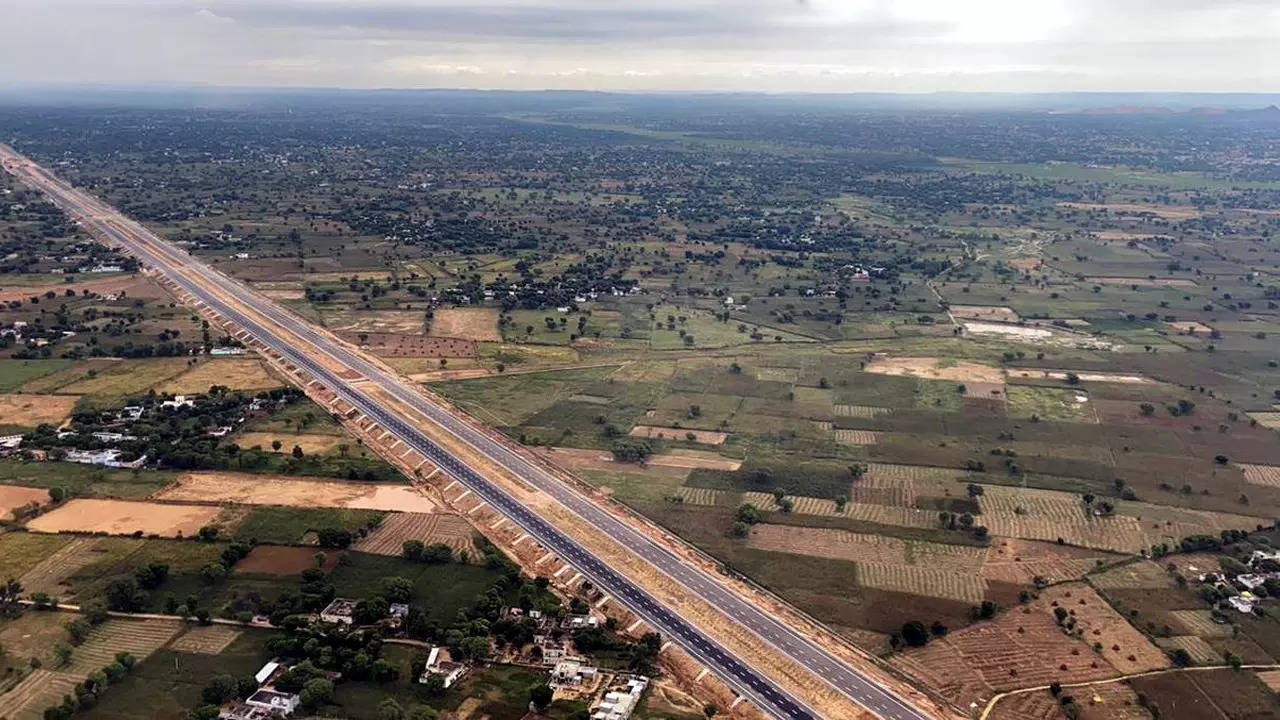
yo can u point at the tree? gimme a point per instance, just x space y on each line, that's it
748 514
412 549
297 452
914 633
315 692
62 654
276 445
389 709
540 696
213 573
710 710
396 589
423 712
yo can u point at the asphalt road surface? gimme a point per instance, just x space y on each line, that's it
250 310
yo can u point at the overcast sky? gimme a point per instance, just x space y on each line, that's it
769 45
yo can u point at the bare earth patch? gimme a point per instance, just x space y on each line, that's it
706 437
1026 646
479 324
998 313
937 369
234 373
669 464
13 497
248 489
1169 212
1142 281
1019 562
124 517
1083 376
32 410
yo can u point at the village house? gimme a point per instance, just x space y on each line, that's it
340 611
448 670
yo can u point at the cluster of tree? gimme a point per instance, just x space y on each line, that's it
631 449
85 694
641 656
433 554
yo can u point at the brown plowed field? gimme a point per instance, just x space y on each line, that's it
1026 647
408 345
247 489
1020 561
124 517
32 410
706 437
205 639
389 537
479 324
13 497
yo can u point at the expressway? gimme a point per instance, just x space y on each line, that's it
301 344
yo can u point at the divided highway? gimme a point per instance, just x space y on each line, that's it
300 344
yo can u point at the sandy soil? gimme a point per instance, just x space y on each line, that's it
706 437
1084 376
371 321
984 312
1024 333
310 444
1025 264
130 285
13 497
123 517
480 324
32 410
1191 327
236 373
577 458
1170 212
936 369
278 490
1143 281
413 345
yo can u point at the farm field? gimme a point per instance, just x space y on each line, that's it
232 373
121 517
290 491
992 393
1028 647
390 535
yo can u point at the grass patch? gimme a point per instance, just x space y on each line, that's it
16 373
286 526
84 480
813 478
168 683
939 394
1050 403
440 590
21 551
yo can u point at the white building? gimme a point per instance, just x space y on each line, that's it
448 670
339 611
106 458
620 702
274 701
